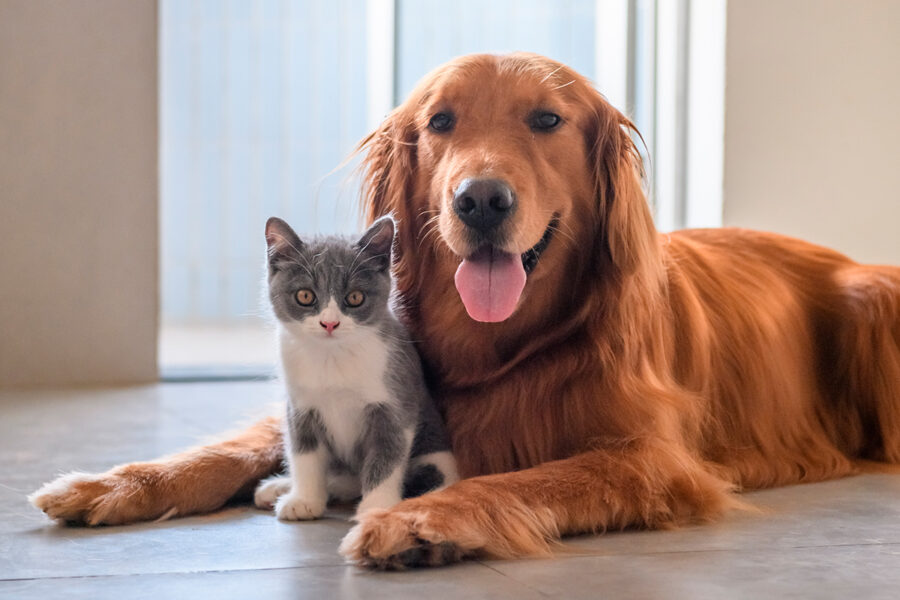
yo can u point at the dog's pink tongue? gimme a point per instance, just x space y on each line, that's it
490 283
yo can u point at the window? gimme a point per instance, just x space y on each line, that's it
263 101
260 102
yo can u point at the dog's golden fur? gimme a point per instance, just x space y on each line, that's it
641 381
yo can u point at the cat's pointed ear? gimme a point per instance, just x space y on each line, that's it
284 244
377 241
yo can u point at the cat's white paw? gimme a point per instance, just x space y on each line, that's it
270 490
294 507
377 499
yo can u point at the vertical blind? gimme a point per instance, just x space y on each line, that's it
262 100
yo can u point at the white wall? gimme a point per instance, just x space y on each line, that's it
812 122
78 192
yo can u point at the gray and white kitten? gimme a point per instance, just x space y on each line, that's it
360 419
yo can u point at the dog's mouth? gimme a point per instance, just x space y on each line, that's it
490 281
531 256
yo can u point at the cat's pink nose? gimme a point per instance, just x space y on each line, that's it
329 325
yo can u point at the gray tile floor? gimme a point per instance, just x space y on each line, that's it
832 540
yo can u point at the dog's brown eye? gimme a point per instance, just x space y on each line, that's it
305 297
545 121
355 298
441 122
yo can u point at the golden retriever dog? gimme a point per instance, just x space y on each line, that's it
593 373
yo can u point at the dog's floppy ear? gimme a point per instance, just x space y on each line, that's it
390 163
389 160
626 231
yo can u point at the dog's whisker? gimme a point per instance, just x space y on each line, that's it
433 233
566 238
431 226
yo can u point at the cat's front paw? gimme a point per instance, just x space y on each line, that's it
295 507
270 490
377 500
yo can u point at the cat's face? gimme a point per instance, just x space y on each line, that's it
327 288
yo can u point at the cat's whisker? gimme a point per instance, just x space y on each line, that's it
358 254
392 338
303 266
298 254
359 265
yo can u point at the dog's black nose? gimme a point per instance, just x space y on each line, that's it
483 204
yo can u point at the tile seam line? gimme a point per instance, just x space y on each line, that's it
577 554
513 579
482 563
157 573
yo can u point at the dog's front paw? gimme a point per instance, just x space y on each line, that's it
72 497
469 518
406 536
296 507
270 490
111 498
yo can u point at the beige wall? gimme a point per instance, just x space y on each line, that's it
78 191
812 122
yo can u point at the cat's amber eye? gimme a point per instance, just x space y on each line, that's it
355 298
306 297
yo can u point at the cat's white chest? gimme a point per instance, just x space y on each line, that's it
338 377
356 364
